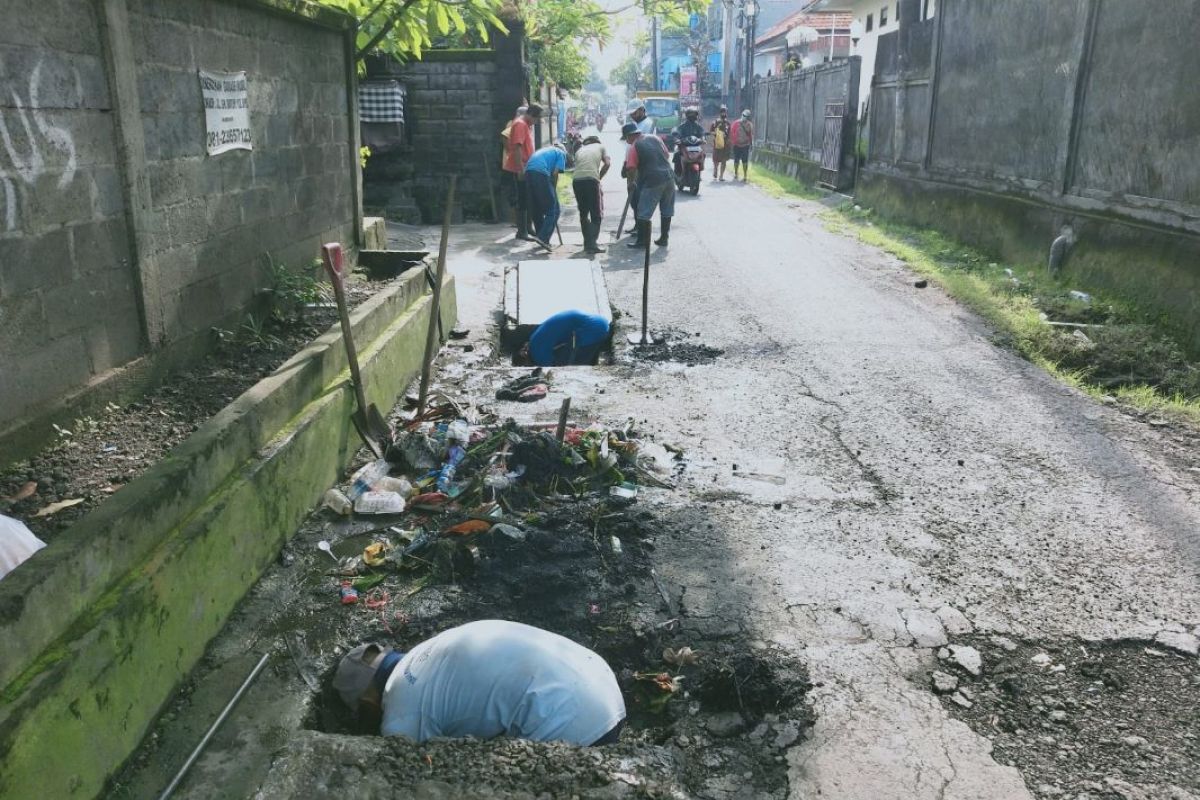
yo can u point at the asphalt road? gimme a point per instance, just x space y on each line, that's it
867 456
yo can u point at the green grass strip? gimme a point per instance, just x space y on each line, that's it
1014 298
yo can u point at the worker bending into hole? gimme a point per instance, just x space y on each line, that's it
568 337
485 679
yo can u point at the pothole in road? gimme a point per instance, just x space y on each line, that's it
736 709
1087 719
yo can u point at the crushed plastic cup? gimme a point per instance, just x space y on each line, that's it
379 503
627 491
615 543
400 486
458 431
337 502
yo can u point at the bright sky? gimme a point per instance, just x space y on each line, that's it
625 26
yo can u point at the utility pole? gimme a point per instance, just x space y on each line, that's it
654 52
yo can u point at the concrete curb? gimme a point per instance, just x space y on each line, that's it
102 624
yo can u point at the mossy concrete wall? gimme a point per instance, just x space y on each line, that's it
1154 267
100 626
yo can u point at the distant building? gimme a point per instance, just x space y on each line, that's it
870 20
805 37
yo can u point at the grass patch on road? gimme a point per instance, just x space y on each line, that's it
779 185
1107 347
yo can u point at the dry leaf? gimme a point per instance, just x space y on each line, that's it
54 508
27 490
684 656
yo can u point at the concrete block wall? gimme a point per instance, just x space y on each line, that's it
1002 122
68 297
213 219
458 102
121 241
790 118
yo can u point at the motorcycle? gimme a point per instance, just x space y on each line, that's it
689 164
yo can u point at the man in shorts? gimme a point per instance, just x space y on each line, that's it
742 136
648 164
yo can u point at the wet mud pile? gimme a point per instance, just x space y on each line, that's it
676 346
1088 720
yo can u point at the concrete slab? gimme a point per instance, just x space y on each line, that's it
537 290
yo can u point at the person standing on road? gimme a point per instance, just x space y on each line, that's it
742 135
722 143
649 163
591 165
518 148
644 123
541 177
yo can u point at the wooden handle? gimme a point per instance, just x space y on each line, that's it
331 256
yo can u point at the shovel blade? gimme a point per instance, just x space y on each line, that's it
365 433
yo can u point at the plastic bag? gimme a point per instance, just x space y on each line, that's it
379 503
17 544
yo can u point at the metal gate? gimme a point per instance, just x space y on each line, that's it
831 144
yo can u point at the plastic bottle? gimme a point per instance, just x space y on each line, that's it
338 503
366 477
446 475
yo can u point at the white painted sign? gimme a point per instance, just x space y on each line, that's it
226 111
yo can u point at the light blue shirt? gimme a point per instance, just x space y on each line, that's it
546 161
646 126
492 678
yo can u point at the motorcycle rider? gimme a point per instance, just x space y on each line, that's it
689 127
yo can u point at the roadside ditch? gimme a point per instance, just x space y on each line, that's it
712 708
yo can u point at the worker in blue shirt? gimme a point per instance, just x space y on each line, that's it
541 180
568 337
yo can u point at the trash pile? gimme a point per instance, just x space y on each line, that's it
446 486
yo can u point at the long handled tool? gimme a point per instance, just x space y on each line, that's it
187 765
646 337
369 423
624 214
435 311
487 171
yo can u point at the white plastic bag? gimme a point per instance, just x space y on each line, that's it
17 544
379 503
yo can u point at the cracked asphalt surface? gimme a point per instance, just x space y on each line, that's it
926 475
872 489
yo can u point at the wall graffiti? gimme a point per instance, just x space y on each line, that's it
29 163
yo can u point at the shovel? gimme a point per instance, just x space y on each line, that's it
369 423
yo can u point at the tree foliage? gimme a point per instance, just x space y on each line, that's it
633 73
560 30
406 28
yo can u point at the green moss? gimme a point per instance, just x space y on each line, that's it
779 185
